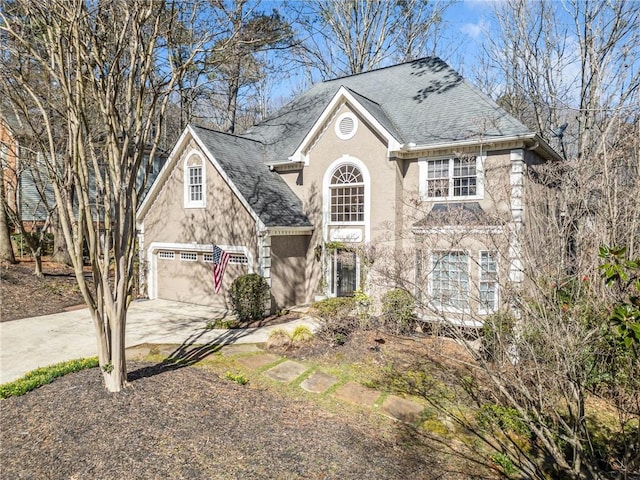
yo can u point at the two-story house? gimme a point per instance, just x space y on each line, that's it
406 169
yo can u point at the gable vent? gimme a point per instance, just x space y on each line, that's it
346 126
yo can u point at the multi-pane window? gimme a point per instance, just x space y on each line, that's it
195 184
166 255
234 258
188 256
450 280
464 177
488 285
451 178
347 195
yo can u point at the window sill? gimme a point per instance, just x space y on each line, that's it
195 205
424 198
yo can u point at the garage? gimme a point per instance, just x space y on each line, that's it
184 273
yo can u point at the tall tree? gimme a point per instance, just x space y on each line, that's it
344 37
109 63
235 64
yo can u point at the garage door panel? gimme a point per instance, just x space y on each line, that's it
192 281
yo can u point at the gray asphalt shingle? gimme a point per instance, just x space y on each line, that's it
267 194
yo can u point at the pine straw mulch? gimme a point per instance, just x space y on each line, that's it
188 423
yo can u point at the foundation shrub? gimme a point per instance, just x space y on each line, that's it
339 319
398 311
249 295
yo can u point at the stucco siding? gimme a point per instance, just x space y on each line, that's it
223 221
289 282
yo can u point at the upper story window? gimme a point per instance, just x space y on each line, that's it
194 182
347 194
451 178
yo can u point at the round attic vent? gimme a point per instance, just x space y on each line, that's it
346 126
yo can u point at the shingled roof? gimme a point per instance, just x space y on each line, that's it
267 194
423 102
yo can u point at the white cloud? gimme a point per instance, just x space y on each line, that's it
474 30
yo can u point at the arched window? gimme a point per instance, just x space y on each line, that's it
194 182
347 194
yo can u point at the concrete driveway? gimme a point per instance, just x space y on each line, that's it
35 342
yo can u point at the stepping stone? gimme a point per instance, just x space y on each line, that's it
318 382
255 362
402 409
286 371
237 349
355 393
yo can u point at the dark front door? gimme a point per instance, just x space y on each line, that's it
345 273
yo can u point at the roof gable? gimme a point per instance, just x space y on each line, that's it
366 108
422 102
239 161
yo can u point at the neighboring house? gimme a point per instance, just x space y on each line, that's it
29 192
372 169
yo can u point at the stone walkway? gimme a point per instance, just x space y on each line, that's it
279 369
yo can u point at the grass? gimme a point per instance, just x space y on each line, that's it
44 375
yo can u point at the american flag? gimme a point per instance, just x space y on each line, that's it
220 260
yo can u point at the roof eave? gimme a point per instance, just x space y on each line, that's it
531 141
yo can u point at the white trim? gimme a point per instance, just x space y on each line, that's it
457 229
152 285
337 125
284 231
186 179
423 172
536 143
173 158
342 96
516 269
326 196
496 306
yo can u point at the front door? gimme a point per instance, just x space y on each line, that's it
345 273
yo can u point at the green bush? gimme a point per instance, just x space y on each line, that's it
334 308
249 295
42 376
398 311
497 336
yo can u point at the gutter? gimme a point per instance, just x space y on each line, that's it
534 141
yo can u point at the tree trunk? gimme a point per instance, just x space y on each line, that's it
60 252
37 257
111 347
6 248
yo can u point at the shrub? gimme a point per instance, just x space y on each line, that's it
338 317
334 308
497 335
41 376
249 295
398 307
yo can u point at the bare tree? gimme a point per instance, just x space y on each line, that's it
344 37
109 64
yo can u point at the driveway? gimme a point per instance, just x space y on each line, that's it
35 342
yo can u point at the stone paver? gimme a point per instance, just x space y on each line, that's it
258 361
238 348
318 382
355 393
402 409
286 371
